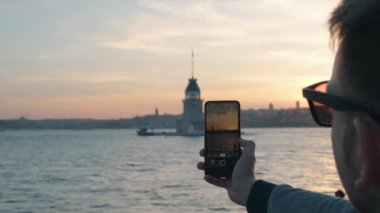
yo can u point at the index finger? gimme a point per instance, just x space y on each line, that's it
224 183
202 152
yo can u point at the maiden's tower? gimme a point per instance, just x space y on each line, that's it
191 122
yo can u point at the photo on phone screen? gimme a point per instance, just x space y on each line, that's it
222 134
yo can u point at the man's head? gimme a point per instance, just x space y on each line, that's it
355 27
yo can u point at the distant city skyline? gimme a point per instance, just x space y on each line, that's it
118 59
156 112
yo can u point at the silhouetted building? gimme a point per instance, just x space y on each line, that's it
271 107
156 112
191 122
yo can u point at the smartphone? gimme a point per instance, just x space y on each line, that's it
222 134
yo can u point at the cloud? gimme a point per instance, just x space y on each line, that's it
165 26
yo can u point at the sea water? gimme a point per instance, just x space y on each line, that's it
117 171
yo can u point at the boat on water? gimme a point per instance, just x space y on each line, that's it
146 132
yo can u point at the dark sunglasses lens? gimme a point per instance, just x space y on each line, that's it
321 88
323 113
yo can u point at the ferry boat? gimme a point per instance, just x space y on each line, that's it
146 132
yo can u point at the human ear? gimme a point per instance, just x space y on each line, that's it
368 138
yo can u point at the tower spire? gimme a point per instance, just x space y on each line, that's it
192 64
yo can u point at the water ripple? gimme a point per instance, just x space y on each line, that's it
116 171
100 206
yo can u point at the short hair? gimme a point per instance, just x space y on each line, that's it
355 27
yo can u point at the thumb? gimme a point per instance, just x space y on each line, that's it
245 164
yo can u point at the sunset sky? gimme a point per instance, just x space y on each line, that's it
118 59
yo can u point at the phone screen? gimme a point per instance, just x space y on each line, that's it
222 134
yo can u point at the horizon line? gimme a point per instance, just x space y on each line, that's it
22 117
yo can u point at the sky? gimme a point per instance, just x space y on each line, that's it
122 58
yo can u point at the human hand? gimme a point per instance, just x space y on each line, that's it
243 177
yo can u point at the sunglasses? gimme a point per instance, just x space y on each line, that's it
322 104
